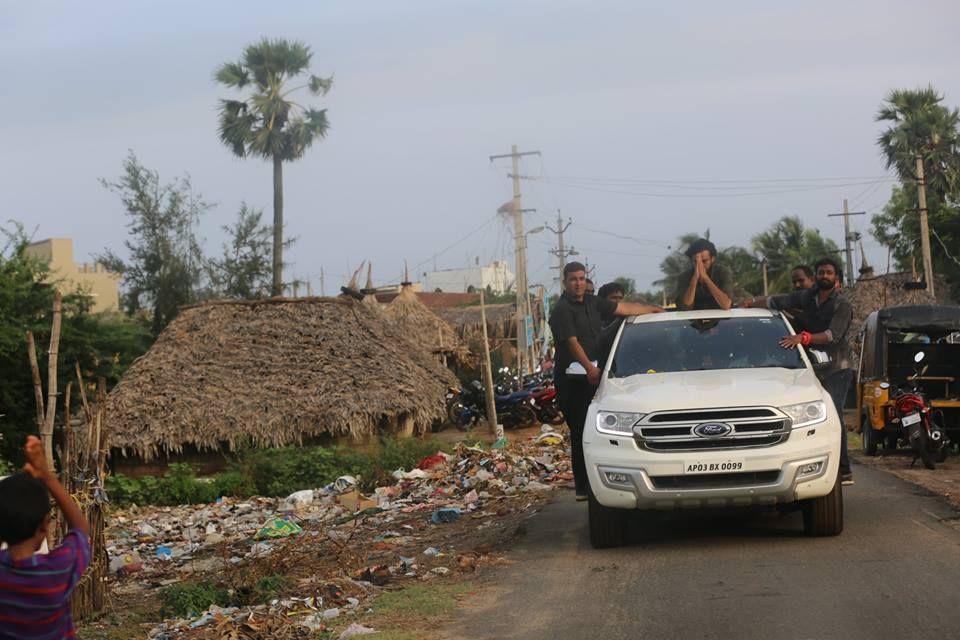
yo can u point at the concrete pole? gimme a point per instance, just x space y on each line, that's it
847 248
766 288
521 263
924 226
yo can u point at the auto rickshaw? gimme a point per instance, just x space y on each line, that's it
891 339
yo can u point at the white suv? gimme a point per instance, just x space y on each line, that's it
705 409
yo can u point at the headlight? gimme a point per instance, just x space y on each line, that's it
806 413
616 422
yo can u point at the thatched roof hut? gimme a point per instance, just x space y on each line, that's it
423 327
273 372
871 294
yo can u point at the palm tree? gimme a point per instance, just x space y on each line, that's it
787 244
920 125
268 123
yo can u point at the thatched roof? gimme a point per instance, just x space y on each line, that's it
872 294
425 328
466 321
272 372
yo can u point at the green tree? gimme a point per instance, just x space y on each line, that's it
786 244
244 268
268 123
165 267
919 124
103 344
629 286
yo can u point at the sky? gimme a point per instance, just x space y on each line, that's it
652 119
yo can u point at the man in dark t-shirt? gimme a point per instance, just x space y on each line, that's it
706 284
576 321
825 315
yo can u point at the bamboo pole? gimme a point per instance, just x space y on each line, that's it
488 373
37 383
46 433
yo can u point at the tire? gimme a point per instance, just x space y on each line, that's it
458 414
524 416
920 441
871 437
551 415
607 526
824 516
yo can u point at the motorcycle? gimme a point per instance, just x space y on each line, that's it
545 400
514 409
919 425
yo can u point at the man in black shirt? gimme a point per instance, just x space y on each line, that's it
575 322
706 284
825 314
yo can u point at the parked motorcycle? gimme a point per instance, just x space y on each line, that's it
921 427
514 410
545 400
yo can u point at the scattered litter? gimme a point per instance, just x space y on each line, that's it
355 630
344 483
278 528
445 515
164 553
298 498
432 461
431 551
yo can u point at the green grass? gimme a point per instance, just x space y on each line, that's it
421 600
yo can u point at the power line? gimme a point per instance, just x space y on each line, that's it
645 181
767 192
451 246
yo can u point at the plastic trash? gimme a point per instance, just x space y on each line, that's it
500 443
330 614
344 483
471 497
300 498
551 438
444 515
164 553
126 563
431 551
432 461
440 571
277 528
355 629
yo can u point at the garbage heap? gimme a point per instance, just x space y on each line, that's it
336 546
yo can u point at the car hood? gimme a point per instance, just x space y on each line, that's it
649 392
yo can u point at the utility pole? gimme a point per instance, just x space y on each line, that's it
848 238
323 289
523 295
561 251
924 226
766 288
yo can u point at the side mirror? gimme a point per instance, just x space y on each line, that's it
918 358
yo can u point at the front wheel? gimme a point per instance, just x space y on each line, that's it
607 526
823 516
524 416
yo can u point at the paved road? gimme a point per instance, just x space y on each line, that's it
893 573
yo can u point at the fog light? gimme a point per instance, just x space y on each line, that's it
810 469
616 477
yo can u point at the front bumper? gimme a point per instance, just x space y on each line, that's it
644 479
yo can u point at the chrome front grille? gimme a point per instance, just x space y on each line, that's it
749 427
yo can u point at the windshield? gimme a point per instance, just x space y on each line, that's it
701 345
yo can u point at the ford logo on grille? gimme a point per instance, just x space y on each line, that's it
713 430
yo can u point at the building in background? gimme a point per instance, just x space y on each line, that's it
496 275
103 286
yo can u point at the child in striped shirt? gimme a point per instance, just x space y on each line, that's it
35 589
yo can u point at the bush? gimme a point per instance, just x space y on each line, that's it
188 599
272 472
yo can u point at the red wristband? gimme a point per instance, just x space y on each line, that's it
805 338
